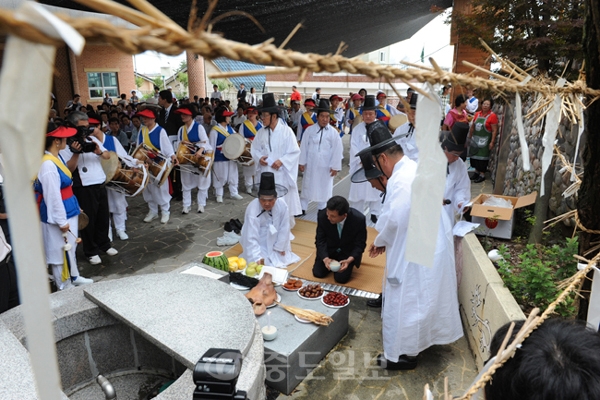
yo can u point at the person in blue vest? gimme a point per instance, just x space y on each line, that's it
248 130
225 171
307 118
155 137
191 177
59 210
117 202
384 110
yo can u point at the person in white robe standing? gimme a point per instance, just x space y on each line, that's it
458 185
420 304
274 149
320 158
193 134
155 138
406 132
266 236
363 195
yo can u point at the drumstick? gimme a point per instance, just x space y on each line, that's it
77 239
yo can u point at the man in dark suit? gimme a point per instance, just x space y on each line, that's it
171 122
341 236
241 94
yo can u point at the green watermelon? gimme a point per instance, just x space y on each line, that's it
216 259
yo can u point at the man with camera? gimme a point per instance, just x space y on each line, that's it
83 156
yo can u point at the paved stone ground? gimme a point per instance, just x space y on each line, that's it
349 371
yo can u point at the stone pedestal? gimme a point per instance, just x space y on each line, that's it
196 77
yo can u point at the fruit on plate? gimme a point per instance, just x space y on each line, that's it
311 291
491 223
335 299
216 259
234 266
293 284
258 268
251 271
262 295
241 263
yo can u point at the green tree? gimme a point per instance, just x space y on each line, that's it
223 84
528 32
139 82
183 78
182 65
158 81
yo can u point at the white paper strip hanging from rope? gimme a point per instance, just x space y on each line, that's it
28 69
552 120
428 187
521 131
580 127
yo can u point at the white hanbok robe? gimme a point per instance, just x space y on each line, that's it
153 194
265 235
408 141
420 304
360 192
458 188
321 151
191 180
279 144
117 201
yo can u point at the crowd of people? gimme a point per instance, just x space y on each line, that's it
420 304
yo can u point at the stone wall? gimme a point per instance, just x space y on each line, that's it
506 165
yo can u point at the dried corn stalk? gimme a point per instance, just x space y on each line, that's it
309 315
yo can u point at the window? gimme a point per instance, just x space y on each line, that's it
100 83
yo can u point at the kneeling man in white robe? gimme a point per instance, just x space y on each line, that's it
266 236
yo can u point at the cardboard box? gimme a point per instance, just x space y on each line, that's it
504 216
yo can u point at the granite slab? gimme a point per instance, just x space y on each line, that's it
299 347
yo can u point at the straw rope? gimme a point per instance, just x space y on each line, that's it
583 228
157 32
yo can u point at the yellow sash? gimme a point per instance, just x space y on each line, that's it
249 125
384 111
58 163
185 136
146 137
221 130
308 118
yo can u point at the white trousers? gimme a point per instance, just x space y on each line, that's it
304 203
57 274
249 172
225 172
117 205
191 181
157 196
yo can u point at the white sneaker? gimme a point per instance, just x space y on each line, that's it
186 210
249 189
110 235
165 217
219 199
200 208
80 280
150 216
237 197
95 260
112 252
122 235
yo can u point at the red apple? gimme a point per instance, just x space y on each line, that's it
491 223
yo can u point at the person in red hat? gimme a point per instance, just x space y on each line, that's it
191 178
353 111
384 110
338 113
155 137
59 210
307 119
248 130
224 170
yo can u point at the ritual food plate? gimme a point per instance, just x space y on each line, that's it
275 304
238 287
310 298
331 306
303 321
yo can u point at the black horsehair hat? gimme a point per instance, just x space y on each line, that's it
323 106
380 138
369 103
413 101
368 171
268 187
269 104
455 140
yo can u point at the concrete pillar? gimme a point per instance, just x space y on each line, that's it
196 78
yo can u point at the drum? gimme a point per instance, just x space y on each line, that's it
159 166
234 146
188 162
357 120
110 166
246 158
82 221
396 121
129 181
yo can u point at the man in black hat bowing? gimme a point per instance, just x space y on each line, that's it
320 158
266 235
274 149
420 304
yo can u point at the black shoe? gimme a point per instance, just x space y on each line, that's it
374 218
479 179
473 176
404 363
228 227
375 303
